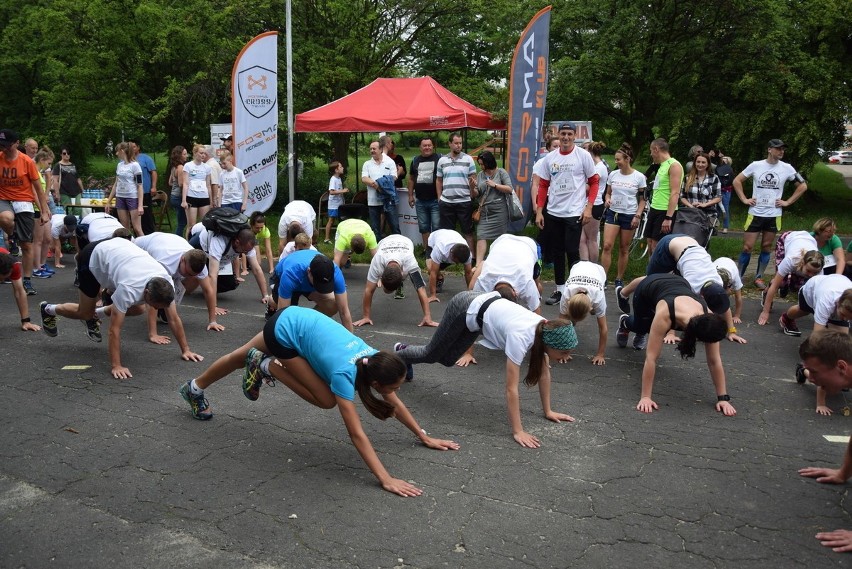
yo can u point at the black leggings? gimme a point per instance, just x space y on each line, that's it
451 339
563 238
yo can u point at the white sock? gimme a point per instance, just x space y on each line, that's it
193 387
561 289
264 365
50 309
101 312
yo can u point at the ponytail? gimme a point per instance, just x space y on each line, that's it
536 357
383 368
565 339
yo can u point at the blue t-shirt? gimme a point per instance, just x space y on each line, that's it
147 165
331 349
292 273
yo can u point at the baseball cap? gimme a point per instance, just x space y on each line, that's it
229 137
716 298
322 273
8 137
777 143
568 125
70 221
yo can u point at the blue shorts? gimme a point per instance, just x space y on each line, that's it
623 220
333 213
128 204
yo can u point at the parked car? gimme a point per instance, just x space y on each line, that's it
842 157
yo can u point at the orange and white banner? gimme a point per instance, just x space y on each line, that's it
254 82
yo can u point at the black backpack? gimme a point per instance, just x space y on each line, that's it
225 221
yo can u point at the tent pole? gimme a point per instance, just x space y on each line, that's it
291 158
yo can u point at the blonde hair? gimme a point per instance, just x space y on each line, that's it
129 151
824 223
814 259
302 241
579 306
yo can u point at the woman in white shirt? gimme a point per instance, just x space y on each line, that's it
625 202
196 186
796 254
127 189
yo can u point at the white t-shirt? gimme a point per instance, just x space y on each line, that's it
122 267
167 249
505 326
822 293
387 167
569 176
297 210
57 226
511 260
600 169
591 278
215 171
796 244
768 185
393 248
232 185
696 266
623 190
128 177
197 175
290 247
335 200
729 265
101 226
216 245
441 241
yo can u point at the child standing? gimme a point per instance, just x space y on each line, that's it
335 195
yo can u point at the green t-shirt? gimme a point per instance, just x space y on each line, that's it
263 233
663 186
831 245
348 229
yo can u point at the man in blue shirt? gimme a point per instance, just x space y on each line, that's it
149 183
316 277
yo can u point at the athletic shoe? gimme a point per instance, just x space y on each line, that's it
554 298
760 284
783 291
399 294
197 403
7 281
623 303
28 286
619 282
439 284
640 341
327 241
93 329
788 326
40 274
48 322
14 250
623 333
253 376
47 269
409 369
800 373
161 316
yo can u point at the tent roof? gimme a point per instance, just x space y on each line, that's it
419 103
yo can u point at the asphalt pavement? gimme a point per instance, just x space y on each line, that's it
97 472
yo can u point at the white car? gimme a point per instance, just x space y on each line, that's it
842 157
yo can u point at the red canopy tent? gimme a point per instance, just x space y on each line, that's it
405 104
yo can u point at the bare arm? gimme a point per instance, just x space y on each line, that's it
797 193
366 304
404 416
717 373
343 309
116 320
603 330
659 327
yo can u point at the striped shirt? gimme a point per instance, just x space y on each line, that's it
455 173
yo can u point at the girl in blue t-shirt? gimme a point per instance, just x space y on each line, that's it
324 364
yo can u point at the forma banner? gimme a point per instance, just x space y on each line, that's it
254 103
527 101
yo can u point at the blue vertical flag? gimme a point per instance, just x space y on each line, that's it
527 102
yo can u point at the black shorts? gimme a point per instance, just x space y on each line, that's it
87 283
198 202
452 212
756 224
803 304
598 211
24 226
654 228
272 344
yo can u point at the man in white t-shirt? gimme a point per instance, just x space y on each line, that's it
188 269
298 217
446 247
62 227
378 166
97 227
764 213
568 186
215 176
513 265
828 298
132 279
393 261
222 251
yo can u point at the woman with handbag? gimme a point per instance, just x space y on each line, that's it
492 216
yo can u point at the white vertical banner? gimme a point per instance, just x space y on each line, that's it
254 82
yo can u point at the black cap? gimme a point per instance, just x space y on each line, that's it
777 143
716 298
568 125
8 137
70 221
322 273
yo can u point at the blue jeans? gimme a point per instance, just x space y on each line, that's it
391 218
661 260
428 217
376 220
175 201
726 202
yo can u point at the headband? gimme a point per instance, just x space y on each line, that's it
560 338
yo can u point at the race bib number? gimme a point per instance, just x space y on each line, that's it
22 207
617 201
562 188
764 198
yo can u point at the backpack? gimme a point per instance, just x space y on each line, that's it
225 221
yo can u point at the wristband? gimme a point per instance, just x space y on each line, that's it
25 320
725 397
732 330
667 218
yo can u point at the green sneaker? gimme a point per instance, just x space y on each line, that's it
253 376
48 322
93 329
197 403
399 294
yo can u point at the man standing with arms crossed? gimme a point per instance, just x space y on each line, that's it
456 187
764 212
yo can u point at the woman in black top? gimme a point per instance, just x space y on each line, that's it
66 180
